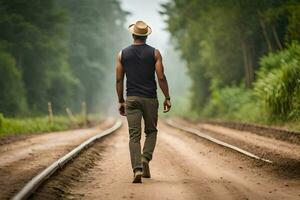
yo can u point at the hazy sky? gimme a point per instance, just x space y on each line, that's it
147 10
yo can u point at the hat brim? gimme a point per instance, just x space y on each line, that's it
131 30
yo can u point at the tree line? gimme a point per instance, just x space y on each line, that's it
56 51
242 56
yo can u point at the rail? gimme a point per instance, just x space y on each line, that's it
34 183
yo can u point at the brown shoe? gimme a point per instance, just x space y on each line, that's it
137 178
146 169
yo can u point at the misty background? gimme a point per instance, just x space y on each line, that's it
63 53
175 67
229 60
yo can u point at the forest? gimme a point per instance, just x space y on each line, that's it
243 57
214 114
58 51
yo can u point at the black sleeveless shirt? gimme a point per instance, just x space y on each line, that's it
139 65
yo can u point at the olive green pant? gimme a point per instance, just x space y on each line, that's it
136 109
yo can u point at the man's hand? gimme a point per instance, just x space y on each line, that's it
122 109
167 105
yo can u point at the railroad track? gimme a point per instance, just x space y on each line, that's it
216 141
38 180
187 178
40 186
291 136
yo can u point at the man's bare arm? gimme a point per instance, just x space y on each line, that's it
119 79
120 84
162 80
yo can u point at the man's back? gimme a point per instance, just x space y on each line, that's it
139 65
139 62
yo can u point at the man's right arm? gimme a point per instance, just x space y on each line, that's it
162 80
119 84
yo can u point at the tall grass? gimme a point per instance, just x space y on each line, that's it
278 84
274 99
15 126
233 103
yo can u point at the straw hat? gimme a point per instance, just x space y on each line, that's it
140 28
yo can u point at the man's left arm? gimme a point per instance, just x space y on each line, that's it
162 80
120 84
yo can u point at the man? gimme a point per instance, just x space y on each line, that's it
139 62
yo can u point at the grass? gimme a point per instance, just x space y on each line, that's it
290 125
18 126
293 125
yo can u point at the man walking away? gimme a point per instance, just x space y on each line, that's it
139 62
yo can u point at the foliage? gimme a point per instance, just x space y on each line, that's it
56 51
95 33
278 84
12 96
223 42
16 126
34 34
233 103
219 41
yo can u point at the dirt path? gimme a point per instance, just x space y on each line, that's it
184 167
285 155
22 160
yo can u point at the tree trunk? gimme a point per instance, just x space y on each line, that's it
250 66
246 64
265 33
276 37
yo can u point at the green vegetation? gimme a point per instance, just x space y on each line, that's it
278 84
15 126
232 103
11 86
57 51
242 56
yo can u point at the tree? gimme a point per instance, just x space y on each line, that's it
12 96
34 31
95 31
62 50
223 41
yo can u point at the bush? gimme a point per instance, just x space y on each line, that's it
278 84
233 103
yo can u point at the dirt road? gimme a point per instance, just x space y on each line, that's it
184 167
22 160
